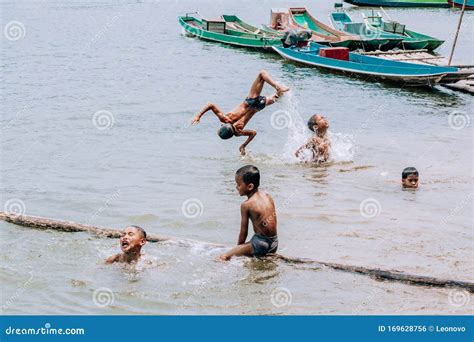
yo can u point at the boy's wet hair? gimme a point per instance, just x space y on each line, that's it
250 175
312 121
140 230
226 131
409 171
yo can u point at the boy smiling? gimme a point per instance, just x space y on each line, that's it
132 240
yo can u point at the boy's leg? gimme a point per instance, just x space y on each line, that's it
257 85
241 250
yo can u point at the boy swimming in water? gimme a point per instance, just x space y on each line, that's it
234 122
410 178
132 240
319 145
260 209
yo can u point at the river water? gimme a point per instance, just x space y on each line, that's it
96 103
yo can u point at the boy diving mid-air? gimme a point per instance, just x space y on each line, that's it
233 123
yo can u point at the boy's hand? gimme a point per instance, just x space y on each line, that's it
223 257
242 150
196 120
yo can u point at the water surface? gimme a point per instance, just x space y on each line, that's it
131 59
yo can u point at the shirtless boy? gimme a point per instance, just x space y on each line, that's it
319 144
234 122
410 178
260 209
132 240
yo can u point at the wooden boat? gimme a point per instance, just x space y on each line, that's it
280 21
413 41
302 18
217 30
235 23
400 3
366 29
462 80
379 68
390 26
340 20
459 3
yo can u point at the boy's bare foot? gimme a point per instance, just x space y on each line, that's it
282 89
242 150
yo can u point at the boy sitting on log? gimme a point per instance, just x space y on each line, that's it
132 240
260 209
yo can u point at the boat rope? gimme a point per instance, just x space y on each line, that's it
457 32
43 223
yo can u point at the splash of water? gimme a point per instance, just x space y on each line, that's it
342 145
298 134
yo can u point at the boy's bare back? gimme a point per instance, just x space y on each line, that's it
261 211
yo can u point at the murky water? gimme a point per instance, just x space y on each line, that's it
131 60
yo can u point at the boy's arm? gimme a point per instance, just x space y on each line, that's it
244 224
306 146
211 106
112 259
250 134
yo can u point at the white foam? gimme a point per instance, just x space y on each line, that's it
342 145
298 133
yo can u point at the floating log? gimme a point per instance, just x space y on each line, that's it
390 275
44 223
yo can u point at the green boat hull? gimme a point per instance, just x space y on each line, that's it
370 39
195 27
400 3
303 19
412 40
240 25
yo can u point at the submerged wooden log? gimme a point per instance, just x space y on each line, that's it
44 223
389 275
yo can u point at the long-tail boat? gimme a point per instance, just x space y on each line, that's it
341 21
412 40
303 18
371 67
217 30
280 21
366 29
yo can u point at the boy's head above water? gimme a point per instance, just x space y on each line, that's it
410 178
318 123
132 239
247 180
226 131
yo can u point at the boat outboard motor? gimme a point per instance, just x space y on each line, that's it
296 37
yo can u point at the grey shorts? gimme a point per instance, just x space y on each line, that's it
262 245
